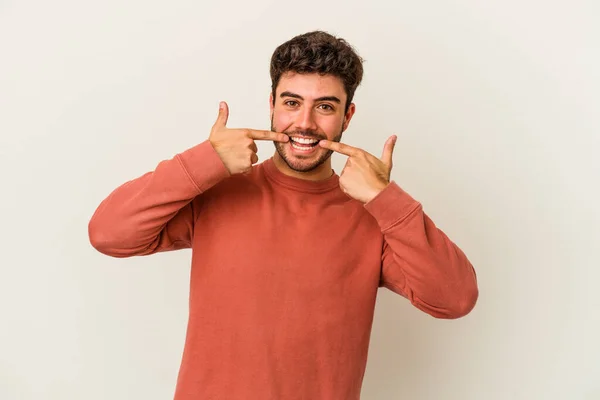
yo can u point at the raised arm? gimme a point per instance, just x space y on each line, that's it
156 211
418 260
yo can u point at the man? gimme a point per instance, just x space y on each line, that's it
287 256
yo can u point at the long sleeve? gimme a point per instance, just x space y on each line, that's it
419 261
155 212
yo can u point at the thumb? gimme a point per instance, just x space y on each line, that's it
388 151
223 115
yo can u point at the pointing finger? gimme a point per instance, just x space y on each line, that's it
339 147
268 135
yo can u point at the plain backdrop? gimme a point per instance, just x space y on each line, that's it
496 107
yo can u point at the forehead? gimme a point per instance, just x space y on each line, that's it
311 86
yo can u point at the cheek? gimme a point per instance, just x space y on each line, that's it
282 121
331 127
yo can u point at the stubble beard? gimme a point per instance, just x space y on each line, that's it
306 164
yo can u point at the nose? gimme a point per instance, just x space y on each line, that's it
306 120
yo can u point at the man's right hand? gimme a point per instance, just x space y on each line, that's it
236 147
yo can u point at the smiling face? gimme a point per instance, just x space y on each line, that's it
308 108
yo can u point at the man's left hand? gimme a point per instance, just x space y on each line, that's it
364 176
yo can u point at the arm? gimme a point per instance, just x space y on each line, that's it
419 261
155 212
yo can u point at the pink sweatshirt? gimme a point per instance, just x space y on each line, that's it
285 272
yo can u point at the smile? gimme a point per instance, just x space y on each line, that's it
303 141
303 144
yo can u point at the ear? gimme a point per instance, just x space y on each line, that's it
271 105
348 116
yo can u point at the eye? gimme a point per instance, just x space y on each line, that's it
327 107
291 103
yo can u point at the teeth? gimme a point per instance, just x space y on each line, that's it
304 140
297 147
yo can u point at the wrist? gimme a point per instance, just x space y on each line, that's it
376 191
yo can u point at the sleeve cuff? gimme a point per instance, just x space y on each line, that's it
391 205
203 165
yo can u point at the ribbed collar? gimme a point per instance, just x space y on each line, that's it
302 185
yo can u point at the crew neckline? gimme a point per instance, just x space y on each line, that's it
302 185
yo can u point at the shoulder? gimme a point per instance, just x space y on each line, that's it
239 184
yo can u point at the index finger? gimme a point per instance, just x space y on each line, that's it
268 135
339 147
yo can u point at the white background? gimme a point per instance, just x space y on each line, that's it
496 106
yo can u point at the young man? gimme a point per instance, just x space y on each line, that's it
287 256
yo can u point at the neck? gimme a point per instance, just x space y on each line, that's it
320 173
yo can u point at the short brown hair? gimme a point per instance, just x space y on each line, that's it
318 52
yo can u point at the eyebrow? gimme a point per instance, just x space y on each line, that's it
324 98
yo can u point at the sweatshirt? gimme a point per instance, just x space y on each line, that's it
284 272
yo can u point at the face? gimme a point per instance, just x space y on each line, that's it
309 108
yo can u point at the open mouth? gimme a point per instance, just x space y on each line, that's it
303 144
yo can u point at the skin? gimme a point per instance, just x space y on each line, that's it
312 106
297 111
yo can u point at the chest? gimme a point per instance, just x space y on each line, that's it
300 241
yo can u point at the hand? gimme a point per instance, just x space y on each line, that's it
364 176
236 147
